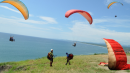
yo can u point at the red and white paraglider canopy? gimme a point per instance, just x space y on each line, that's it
117 59
83 13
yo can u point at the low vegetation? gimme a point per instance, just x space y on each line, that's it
79 64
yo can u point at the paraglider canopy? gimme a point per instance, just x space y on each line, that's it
19 5
109 5
113 3
117 59
83 13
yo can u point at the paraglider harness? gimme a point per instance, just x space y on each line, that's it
74 44
11 39
71 56
49 57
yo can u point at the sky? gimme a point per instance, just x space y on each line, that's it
47 20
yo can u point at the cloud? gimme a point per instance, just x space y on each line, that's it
10 9
95 21
112 22
107 22
28 21
55 28
82 31
127 1
9 22
108 1
49 19
30 15
13 10
10 25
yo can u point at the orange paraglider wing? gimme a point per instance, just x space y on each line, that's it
19 5
83 13
112 4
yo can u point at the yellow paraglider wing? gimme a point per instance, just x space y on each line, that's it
112 4
20 6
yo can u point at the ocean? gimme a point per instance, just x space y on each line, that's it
26 47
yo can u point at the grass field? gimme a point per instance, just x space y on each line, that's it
79 64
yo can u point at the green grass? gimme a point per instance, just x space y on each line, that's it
128 54
100 53
79 64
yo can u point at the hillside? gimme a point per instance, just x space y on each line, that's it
80 64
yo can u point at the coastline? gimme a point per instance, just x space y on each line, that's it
94 44
126 49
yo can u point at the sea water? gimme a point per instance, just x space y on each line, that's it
26 47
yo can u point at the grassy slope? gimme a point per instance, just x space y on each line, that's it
80 64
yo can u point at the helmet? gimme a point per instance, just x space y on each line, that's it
66 53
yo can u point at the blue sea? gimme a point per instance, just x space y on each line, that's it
26 47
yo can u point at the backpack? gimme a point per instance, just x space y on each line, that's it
71 56
48 56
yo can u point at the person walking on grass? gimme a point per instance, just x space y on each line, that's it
50 57
68 58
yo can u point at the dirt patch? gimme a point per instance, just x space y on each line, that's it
121 71
5 68
104 67
128 59
21 68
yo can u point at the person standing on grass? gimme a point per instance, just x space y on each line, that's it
50 55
